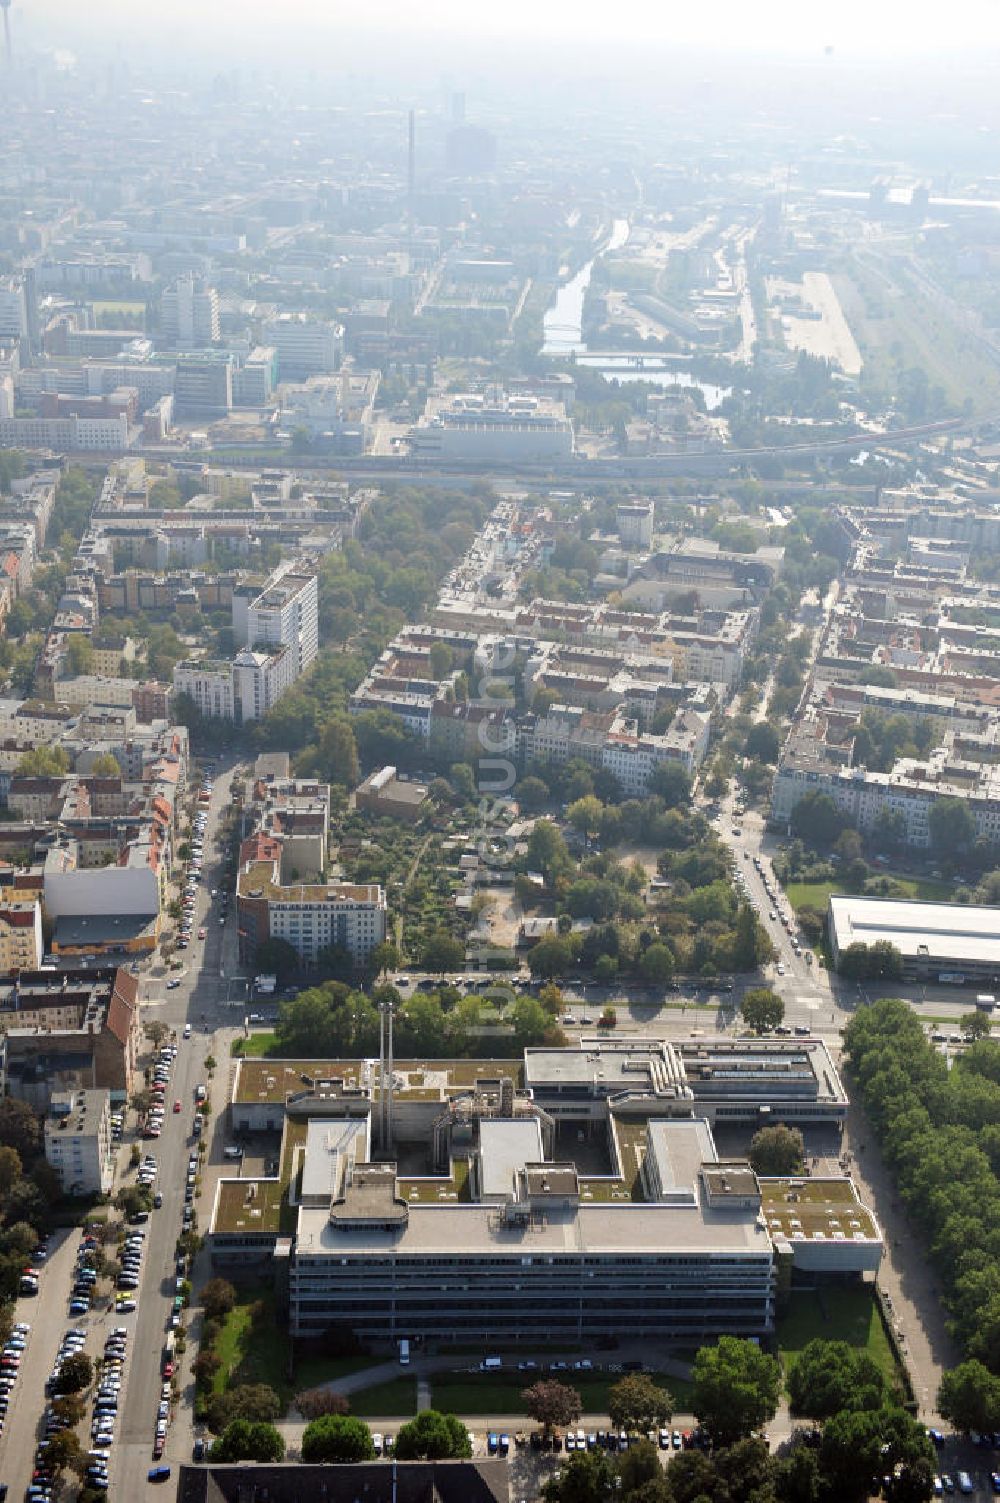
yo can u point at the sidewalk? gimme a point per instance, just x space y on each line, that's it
905 1275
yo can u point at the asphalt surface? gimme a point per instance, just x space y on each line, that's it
48 1315
197 1000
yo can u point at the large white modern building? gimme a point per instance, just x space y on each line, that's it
472 427
189 314
285 613
279 627
950 941
306 346
502 1221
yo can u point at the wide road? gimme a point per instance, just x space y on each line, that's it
196 1000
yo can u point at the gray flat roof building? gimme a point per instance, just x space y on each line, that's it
933 938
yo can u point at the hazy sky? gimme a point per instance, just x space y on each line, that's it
852 27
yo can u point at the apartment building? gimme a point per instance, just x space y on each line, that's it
70 1029
285 613
78 1141
818 757
310 916
280 626
21 943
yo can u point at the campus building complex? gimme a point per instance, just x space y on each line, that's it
580 1187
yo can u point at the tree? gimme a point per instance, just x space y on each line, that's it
585 815
462 780
204 1367
441 951
656 965
256 1403
635 1402
952 828
69 1407
384 957
44 762
551 957
776 1150
589 1478
879 961
762 743
532 794
336 756
65 1453
156 1032
218 1297
817 820
132 1199
829 1376
433 1437
441 660
313 1403
337 1437
751 948
736 1388
547 851
10 1170
976 1025
671 782
639 1465
969 1397
861 1447
79 654
762 1009
75 1374
105 766
552 1404
242 1440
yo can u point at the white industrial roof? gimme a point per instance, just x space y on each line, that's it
941 931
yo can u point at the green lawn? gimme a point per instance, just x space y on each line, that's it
257 1046
310 1372
489 1393
253 1354
260 1354
817 894
849 1315
396 1397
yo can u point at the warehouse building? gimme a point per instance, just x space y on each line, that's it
951 942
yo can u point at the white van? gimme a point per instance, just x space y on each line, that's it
491 1364
404 1353
233 1151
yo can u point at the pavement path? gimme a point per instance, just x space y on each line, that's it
905 1276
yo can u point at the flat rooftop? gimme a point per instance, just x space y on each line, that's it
265 1081
505 1146
603 1067
942 931
103 929
812 1209
258 882
629 1227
